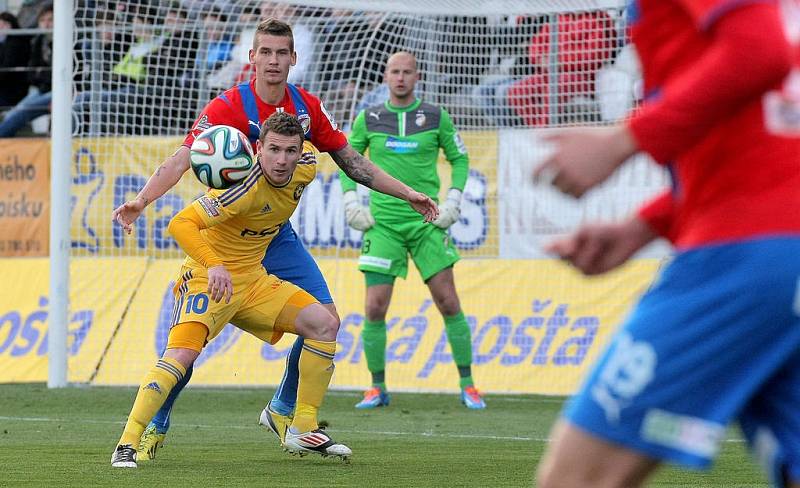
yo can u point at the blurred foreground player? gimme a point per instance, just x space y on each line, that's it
717 338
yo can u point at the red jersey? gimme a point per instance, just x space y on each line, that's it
710 116
228 109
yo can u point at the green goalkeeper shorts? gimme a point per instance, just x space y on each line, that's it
385 249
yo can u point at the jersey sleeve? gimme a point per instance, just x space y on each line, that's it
325 133
358 139
454 150
659 214
185 228
217 112
748 40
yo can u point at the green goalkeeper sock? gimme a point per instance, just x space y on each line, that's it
379 380
465 376
460 339
374 338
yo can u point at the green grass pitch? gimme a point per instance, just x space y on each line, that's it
64 437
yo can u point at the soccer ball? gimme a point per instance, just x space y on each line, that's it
221 156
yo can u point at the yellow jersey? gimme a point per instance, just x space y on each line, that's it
244 219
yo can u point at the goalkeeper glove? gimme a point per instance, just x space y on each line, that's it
358 216
450 210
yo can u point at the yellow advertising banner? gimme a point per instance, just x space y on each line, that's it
24 197
106 173
100 291
537 325
109 171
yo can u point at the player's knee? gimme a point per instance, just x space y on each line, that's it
184 356
448 305
376 309
375 314
324 327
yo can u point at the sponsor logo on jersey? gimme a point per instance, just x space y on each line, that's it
400 146
420 119
260 233
210 205
377 115
694 435
298 192
266 209
375 261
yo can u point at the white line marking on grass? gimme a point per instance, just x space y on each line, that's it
359 432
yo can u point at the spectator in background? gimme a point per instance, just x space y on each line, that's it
96 55
14 54
37 102
353 55
463 64
586 41
228 74
195 8
126 89
172 77
219 42
28 13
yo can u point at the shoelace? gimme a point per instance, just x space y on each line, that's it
126 454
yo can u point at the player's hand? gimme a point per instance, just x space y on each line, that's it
424 205
450 210
597 248
127 213
219 284
358 216
585 157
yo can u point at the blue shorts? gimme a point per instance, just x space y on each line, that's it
716 339
288 259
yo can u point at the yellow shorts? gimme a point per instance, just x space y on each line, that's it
255 307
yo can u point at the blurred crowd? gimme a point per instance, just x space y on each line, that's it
146 67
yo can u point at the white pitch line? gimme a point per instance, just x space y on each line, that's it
359 432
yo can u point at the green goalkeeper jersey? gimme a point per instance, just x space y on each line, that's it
405 142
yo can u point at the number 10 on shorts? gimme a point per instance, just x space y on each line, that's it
196 303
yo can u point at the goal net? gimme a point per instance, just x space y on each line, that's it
506 71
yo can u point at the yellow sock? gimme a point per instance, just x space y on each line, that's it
155 388
316 368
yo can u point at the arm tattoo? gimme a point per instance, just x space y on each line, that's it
355 165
